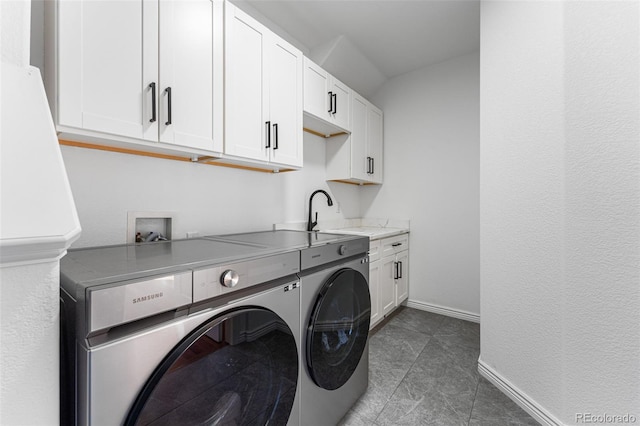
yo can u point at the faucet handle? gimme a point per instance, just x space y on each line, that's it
312 224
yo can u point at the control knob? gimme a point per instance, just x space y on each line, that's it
342 250
229 278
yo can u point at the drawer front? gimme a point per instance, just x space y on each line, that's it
393 245
374 250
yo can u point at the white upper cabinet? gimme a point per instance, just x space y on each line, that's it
357 158
263 93
246 90
360 162
186 91
199 78
374 143
102 72
327 101
139 69
316 93
341 104
285 102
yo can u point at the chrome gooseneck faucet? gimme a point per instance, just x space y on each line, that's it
310 224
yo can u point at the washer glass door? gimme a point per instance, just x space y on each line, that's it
338 328
240 368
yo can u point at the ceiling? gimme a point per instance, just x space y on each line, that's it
383 39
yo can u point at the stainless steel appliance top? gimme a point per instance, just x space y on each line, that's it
115 285
111 286
316 248
321 255
284 238
94 266
108 264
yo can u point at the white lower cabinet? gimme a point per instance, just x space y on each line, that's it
388 275
386 285
402 278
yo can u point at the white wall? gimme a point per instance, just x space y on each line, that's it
29 358
31 237
15 16
203 198
431 159
522 195
560 206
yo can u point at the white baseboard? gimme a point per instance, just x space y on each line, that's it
442 310
516 395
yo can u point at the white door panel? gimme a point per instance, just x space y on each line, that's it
402 283
359 160
341 113
316 82
285 95
374 136
102 71
245 129
186 66
386 285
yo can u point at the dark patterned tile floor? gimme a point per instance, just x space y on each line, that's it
423 370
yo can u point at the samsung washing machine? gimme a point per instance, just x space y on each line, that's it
180 333
335 318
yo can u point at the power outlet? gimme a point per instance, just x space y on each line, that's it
193 234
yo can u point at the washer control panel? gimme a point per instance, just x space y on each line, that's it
324 254
214 281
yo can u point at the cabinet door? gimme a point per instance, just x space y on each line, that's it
374 272
358 138
186 70
402 282
316 90
285 102
246 92
341 104
386 285
374 142
107 57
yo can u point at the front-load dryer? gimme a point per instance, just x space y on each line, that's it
336 312
168 334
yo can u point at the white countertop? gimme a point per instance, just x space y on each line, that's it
374 233
374 228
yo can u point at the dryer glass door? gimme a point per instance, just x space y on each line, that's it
338 329
240 368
